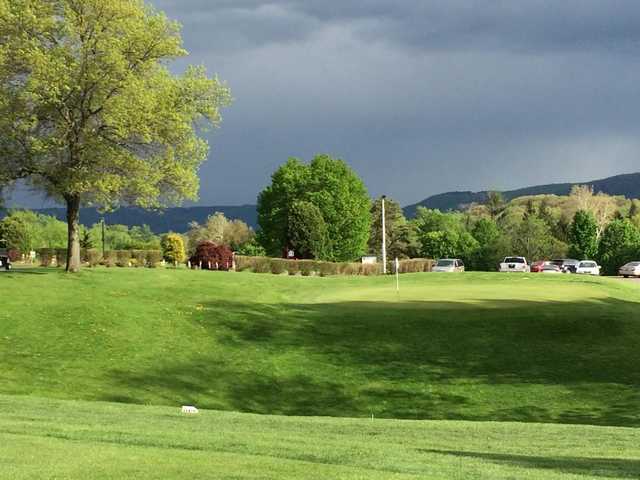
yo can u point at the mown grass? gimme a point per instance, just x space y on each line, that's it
560 349
50 439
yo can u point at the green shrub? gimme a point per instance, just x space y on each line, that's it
93 257
262 265
153 258
46 256
244 263
371 269
110 258
173 248
61 257
307 267
328 268
416 265
278 266
351 269
123 258
139 258
293 267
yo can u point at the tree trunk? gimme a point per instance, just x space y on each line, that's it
73 229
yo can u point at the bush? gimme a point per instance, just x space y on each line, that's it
328 268
61 256
307 267
110 258
123 258
371 269
416 265
46 256
14 255
139 258
251 249
173 248
210 256
262 265
93 257
310 267
293 267
278 266
242 263
153 258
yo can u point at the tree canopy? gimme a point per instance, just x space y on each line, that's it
400 236
334 188
89 111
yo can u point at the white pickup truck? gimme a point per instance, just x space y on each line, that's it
515 264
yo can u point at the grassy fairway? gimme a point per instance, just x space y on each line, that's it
44 439
476 346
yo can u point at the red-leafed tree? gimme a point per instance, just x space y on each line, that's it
210 256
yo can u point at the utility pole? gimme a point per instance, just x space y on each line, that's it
384 239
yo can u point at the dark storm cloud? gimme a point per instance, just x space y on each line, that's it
419 96
527 25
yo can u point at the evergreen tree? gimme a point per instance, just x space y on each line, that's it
400 235
583 236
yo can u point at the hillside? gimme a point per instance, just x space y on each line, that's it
50 439
177 219
627 185
172 219
468 347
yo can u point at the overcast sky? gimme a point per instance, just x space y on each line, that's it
419 96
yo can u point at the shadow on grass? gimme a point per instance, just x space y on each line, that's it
594 467
415 360
21 271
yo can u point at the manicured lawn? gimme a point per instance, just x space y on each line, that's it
531 348
49 439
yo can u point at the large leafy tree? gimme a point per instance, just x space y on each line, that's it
492 245
583 236
334 188
307 230
288 184
400 234
532 238
89 111
620 242
443 234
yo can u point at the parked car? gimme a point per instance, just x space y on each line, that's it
5 261
567 265
551 268
588 267
514 264
449 265
536 267
631 269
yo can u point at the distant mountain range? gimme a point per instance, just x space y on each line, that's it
172 219
627 185
178 219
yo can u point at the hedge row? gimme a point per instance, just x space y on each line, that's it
306 268
112 258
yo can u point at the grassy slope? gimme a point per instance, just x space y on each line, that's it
476 347
77 440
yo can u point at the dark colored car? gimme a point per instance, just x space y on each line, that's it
567 265
5 261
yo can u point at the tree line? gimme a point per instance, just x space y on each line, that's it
322 211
